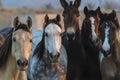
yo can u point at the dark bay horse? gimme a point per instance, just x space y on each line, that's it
110 38
15 51
72 40
49 60
91 43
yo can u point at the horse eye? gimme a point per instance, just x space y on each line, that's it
46 34
60 34
31 41
14 39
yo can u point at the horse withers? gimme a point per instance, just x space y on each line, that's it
110 38
72 40
15 51
49 60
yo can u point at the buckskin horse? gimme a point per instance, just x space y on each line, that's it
72 40
49 60
91 43
110 38
15 51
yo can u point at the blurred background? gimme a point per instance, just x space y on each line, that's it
38 8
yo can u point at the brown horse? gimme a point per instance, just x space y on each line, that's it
110 37
90 40
15 51
72 40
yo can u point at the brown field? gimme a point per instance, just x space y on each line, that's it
6 16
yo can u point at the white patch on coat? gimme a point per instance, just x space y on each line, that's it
70 30
23 36
94 36
106 45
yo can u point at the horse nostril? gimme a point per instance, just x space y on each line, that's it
22 63
19 62
71 36
54 55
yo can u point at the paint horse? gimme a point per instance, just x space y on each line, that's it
91 43
110 38
72 41
15 51
49 60
4 33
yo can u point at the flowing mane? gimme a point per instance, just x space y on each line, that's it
5 49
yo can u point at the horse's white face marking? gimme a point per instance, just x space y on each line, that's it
21 44
53 38
23 36
106 45
70 30
94 36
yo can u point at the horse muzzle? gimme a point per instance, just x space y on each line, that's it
54 56
70 36
22 64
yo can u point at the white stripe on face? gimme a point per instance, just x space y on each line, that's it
94 36
53 40
70 30
106 45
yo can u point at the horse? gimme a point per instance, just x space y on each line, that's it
4 33
72 40
49 59
110 38
91 43
15 51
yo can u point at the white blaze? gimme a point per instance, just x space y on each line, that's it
53 40
94 37
106 45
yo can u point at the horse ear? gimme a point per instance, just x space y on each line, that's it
99 11
29 21
113 14
85 10
63 3
77 3
46 18
58 18
16 22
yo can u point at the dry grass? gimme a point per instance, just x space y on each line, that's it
7 13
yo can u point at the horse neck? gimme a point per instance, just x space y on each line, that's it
116 47
10 70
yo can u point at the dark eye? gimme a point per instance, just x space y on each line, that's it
46 34
31 41
14 39
61 34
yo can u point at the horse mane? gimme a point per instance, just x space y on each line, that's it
5 49
52 21
40 48
107 17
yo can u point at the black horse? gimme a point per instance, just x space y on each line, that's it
91 42
72 41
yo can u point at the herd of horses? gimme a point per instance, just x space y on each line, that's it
89 53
